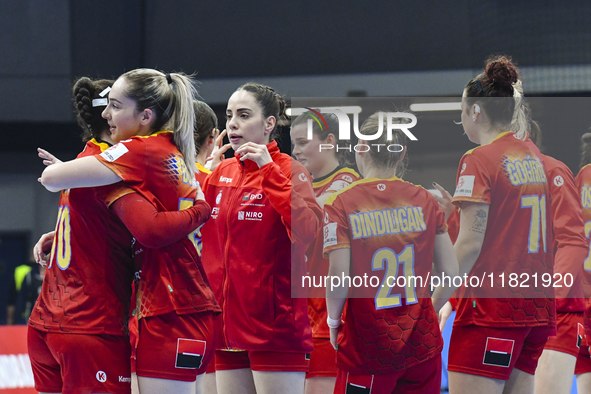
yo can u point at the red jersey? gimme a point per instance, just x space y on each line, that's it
583 180
251 247
200 177
316 264
571 247
87 285
508 175
171 277
453 225
202 174
390 226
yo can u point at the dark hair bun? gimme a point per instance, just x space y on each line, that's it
500 70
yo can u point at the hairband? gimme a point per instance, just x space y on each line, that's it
215 125
479 86
168 78
100 102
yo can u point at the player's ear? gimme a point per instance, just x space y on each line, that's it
146 117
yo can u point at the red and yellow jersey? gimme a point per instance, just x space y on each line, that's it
583 181
571 247
202 174
200 177
87 285
262 219
509 176
390 226
171 277
316 264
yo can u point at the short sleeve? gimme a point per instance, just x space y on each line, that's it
336 230
473 182
127 159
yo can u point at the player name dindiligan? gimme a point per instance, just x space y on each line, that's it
387 221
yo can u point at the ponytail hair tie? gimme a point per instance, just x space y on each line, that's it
168 79
479 86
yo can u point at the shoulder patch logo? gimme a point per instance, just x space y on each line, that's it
330 234
381 187
465 186
114 152
558 180
303 177
347 178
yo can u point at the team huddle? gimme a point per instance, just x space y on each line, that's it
172 266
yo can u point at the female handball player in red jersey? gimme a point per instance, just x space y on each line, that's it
175 303
330 174
565 353
100 251
384 226
264 214
583 179
505 228
77 331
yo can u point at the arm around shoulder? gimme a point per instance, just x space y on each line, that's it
83 172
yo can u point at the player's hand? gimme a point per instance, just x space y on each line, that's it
255 152
444 201
199 196
217 156
42 247
48 158
444 314
334 335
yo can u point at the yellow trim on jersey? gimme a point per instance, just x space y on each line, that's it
586 165
493 140
102 145
334 195
201 168
153 134
330 178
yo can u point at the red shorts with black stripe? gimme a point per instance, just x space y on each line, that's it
79 363
570 333
424 378
494 352
323 360
175 347
261 360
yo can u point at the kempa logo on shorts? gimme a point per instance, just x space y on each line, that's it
124 379
344 132
101 376
225 179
